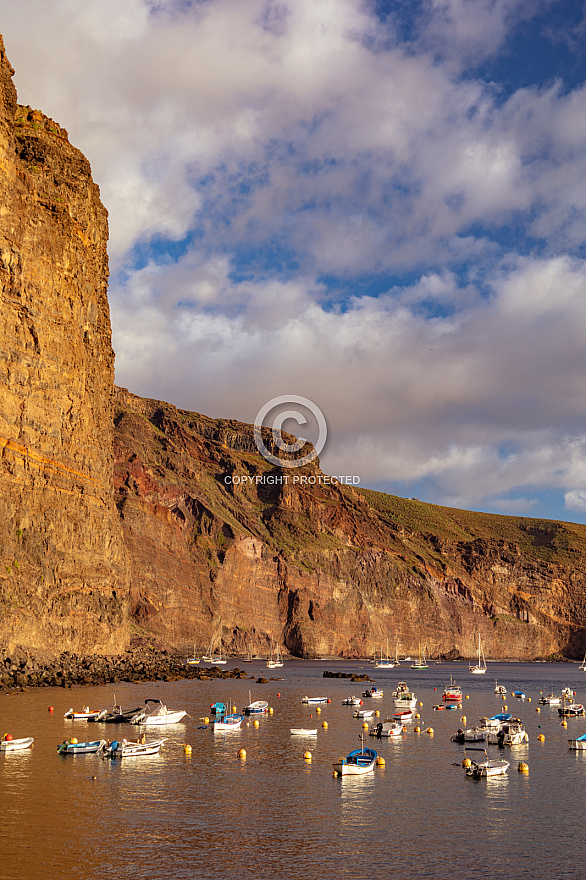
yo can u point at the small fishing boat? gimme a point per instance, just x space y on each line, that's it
403 716
258 707
421 664
550 700
583 664
73 747
126 749
373 694
118 715
228 722
568 693
389 727
276 661
303 731
363 713
500 688
571 710
519 695
471 734
15 745
85 715
357 763
452 692
404 697
512 733
489 767
579 744
352 701
310 701
480 667
494 725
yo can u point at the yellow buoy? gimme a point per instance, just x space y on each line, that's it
541 738
417 715
504 707
307 756
380 761
415 729
206 720
466 762
523 767
365 725
324 724
564 723
270 710
256 723
73 741
233 708
528 699
377 714
421 704
467 696
430 730
187 749
318 711
463 718
538 709
242 754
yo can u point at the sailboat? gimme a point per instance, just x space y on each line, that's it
214 659
583 666
193 660
480 667
422 664
276 661
385 663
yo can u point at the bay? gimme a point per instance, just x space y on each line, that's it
277 815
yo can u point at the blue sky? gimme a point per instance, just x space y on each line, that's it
379 206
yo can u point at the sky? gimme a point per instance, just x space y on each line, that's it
378 206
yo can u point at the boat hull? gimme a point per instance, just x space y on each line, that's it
16 745
303 731
358 763
85 748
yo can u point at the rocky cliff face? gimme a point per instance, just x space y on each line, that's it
223 549
63 580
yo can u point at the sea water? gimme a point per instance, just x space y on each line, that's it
277 815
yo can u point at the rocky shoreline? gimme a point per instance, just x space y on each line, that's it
19 670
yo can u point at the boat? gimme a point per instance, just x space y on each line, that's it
489 767
494 725
73 747
276 661
583 664
385 662
578 744
193 660
158 714
404 698
357 763
126 749
363 713
550 700
374 694
214 659
310 701
258 707
118 715
389 727
218 708
452 692
7 744
500 688
303 731
421 664
352 701
480 667
568 693
231 721
85 715
519 695
471 734
512 733
403 716
571 710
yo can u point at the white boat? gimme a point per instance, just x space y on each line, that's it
73 747
373 694
126 749
85 715
352 701
579 744
421 664
15 745
385 662
571 709
258 707
550 700
303 731
389 727
500 688
583 664
158 714
193 660
480 667
487 767
404 698
228 722
276 661
214 659
568 693
310 701
403 715
358 762
512 734
363 713
471 734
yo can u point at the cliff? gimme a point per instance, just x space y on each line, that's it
223 549
63 576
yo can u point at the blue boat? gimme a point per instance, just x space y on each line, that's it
73 747
357 763
519 694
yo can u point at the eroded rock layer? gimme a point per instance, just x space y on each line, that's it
225 548
63 578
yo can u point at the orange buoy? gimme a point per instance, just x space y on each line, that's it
8 737
50 708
